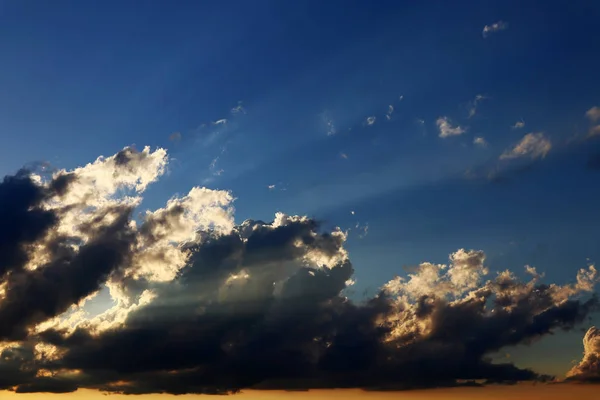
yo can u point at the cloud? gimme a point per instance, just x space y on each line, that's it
329 124
593 114
479 141
473 104
589 368
518 125
493 28
239 109
222 121
532 145
389 113
344 156
446 128
271 187
202 304
370 120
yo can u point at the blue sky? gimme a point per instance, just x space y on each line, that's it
338 105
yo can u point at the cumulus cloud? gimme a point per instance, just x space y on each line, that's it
202 304
446 128
589 367
532 145
479 141
518 125
493 28
370 120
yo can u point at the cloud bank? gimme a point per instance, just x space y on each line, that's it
202 304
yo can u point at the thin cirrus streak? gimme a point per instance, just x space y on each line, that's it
204 305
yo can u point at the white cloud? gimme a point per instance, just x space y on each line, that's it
401 98
495 27
220 122
473 105
344 156
329 124
370 120
518 125
389 113
593 114
239 109
533 145
271 187
446 128
479 141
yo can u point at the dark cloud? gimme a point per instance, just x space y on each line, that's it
262 305
22 219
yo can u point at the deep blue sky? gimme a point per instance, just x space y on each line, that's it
80 79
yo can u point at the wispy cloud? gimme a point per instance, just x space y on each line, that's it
344 156
446 128
239 109
473 104
370 120
222 121
518 125
389 113
329 124
493 28
479 141
593 114
533 145
271 187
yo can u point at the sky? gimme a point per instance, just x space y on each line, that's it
413 184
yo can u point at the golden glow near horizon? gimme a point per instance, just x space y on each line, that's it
516 392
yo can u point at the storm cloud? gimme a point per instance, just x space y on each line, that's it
202 304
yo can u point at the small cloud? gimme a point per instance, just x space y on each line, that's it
364 230
213 163
594 131
329 124
175 137
389 113
370 120
473 105
420 121
446 128
220 122
352 212
533 145
518 125
271 187
401 98
239 109
593 114
479 141
493 28
344 156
